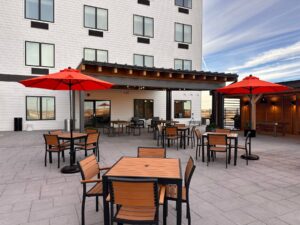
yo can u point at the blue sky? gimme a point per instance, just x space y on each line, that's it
259 37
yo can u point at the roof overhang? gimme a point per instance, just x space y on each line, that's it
135 77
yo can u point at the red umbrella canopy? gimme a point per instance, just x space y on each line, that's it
67 79
252 85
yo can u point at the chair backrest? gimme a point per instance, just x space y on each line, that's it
217 139
198 133
224 131
189 171
89 167
92 138
171 131
51 139
180 125
193 130
56 132
134 192
91 130
151 152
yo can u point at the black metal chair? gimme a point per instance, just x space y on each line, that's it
153 124
199 143
90 169
191 137
138 122
246 145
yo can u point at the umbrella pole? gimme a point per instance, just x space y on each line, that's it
72 168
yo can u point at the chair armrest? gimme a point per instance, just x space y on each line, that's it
91 181
162 192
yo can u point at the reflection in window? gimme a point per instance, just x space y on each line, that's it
39 54
183 33
143 60
182 109
143 26
95 18
97 55
40 108
182 64
40 10
143 108
184 3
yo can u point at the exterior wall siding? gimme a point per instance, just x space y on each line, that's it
70 37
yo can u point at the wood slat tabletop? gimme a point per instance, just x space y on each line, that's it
229 135
67 135
146 167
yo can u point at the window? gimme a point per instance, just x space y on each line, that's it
184 3
182 109
143 108
182 64
39 54
42 10
183 33
96 18
143 60
40 108
143 26
97 55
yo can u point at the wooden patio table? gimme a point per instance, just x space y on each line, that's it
120 124
167 171
229 136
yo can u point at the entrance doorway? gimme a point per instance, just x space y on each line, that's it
96 113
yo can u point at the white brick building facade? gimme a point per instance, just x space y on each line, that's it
70 37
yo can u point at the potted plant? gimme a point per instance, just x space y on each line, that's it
247 129
211 127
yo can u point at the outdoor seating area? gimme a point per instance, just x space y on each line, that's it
213 194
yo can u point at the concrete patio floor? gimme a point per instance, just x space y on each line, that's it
266 191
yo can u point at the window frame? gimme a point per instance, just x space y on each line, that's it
40 107
40 54
146 36
183 60
39 12
95 28
183 33
140 99
187 100
95 49
134 54
183 4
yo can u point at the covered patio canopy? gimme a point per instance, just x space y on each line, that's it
136 77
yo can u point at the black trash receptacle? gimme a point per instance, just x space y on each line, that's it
18 124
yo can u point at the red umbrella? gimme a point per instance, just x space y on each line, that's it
253 87
68 79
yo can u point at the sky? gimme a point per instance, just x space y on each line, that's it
259 37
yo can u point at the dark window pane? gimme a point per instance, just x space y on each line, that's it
47 10
182 109
90 17
32 9
143 108
48 108
33 108
188 3
179 2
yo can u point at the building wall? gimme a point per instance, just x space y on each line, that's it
70 37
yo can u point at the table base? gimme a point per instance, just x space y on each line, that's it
70 169
250 157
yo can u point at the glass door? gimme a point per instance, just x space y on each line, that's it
96 113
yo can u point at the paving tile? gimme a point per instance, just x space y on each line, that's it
292 218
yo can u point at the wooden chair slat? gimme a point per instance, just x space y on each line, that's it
148 152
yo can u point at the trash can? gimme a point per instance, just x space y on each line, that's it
18 122
67 125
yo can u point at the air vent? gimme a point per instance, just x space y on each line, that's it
183 10
183 46
143 40
95 33
144 2
39 71
39 25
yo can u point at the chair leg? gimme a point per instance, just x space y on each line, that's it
208 156
98 154
45 158
188 212
97 203
85 153
63 155
58 159
82 210
50 157
226 158
197 152
165 211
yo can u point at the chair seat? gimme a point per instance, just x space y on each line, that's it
171 192
96 190
218 149
136 213
55 148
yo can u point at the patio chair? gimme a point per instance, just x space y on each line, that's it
90 169
91 130
217 143
58 132
221 130
91 142
151 152
137 200
133 128
138 122
199 143
153 124
246 145
171 189
191 137
53 145
171 134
